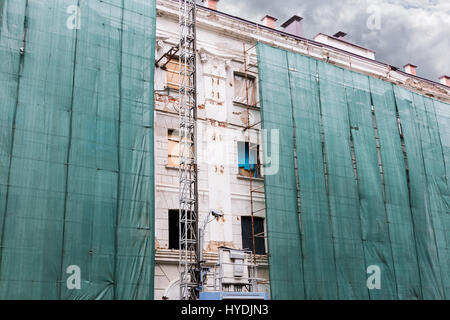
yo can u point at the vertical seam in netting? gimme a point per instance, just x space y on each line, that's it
296 173
152 152
442 147
440 144
66 193
408 182
118 154
325 173
427 195
294 140
355 172
13 130
381 170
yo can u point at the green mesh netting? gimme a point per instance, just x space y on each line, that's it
316 231
281 189
424 232
401 228
76 148
441 133
372 192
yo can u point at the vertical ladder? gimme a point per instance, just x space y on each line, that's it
249 126
188 184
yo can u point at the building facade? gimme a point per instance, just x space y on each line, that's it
89 155
229 128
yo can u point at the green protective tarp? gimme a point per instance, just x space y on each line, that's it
342 188
372 165
316 231
427 253
441 132
435 169
286 278
76 148
402 237
372 210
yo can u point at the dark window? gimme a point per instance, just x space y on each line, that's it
174 234
247 241
173 230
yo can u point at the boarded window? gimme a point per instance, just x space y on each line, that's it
248 160
172 73
247 239
240 89
173 148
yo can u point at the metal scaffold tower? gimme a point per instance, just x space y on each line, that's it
188 184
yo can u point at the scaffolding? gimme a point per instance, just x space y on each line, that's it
247 68
188 185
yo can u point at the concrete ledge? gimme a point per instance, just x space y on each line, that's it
249 178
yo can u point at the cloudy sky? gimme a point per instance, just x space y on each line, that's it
400 31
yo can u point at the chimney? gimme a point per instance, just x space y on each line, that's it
445 80
212 4
339 34
410 68
293 26
269 21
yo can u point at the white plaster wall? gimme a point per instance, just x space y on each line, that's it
220 127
